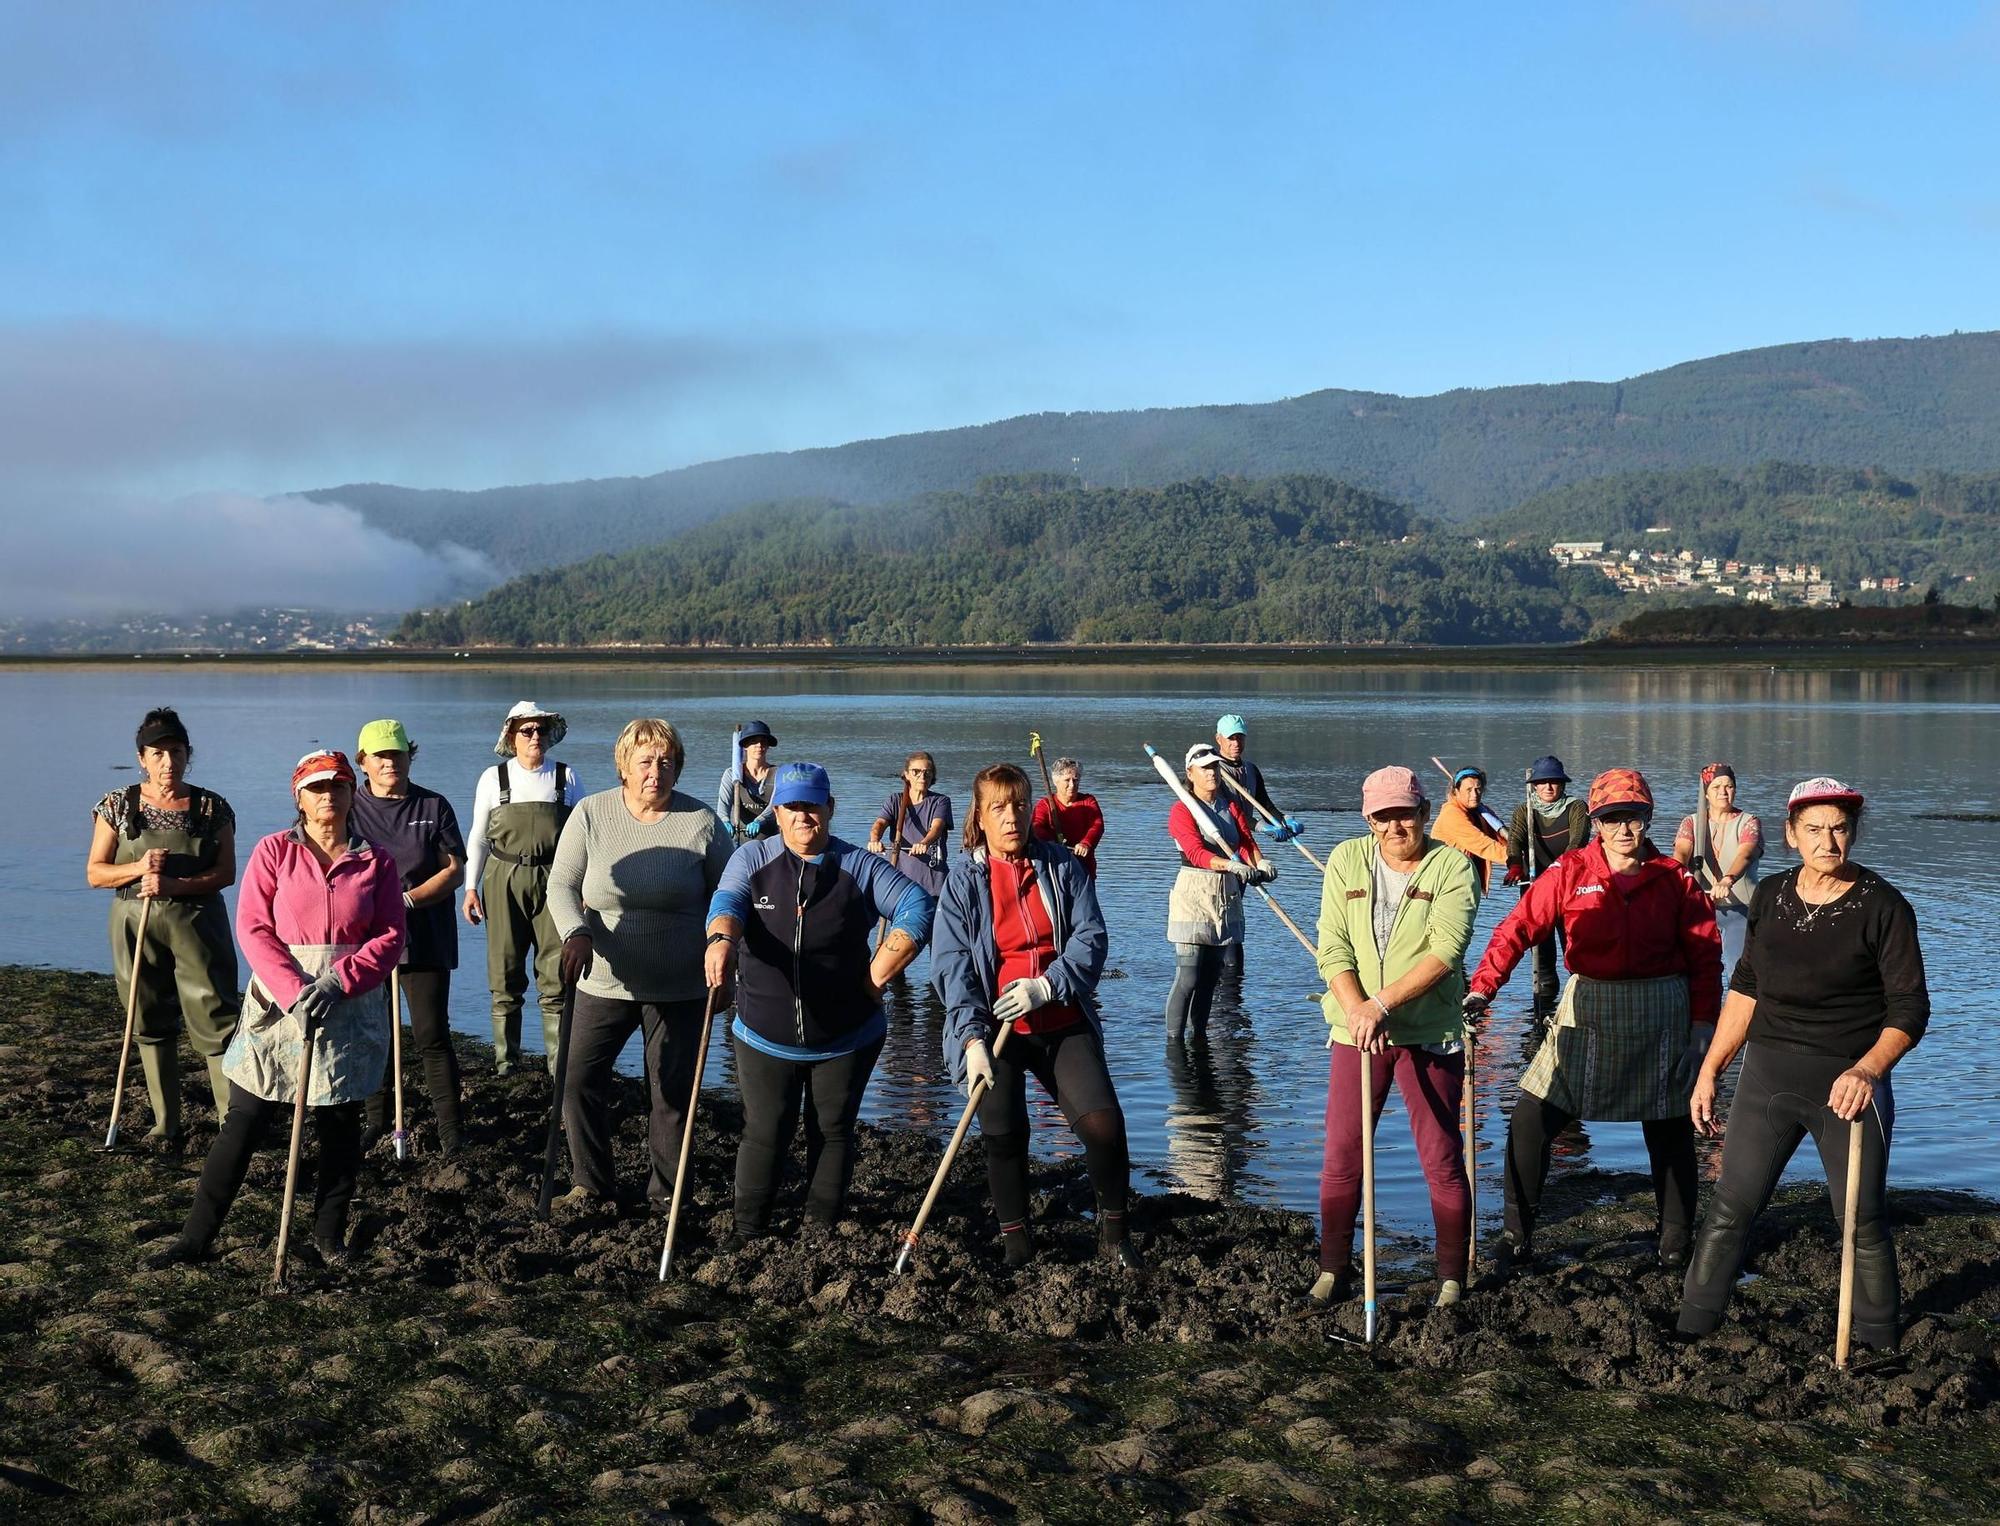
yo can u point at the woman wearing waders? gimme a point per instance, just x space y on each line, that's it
419 830
630 890
320 917
1205 909
1727 865
518 812
1634 1020
1395 915
1828 996
743 800
1019 938
1559 823
794 914
923 818
172 844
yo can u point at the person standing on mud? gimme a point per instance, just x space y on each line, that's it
518 811
1829 994
1071 816
172 844
1559 823
1727 865
1231 744
320 917
419 830
1205 908
923 817
1634 1020
1019 938
1395 917
794 914
1461 824
631 882
744 799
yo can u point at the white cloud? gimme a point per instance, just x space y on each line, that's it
87 555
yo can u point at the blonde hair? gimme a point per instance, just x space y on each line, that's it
639 733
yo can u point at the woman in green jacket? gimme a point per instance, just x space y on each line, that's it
1394 920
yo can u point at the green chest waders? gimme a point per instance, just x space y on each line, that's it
520 845
190 958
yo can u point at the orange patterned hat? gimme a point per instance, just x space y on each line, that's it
1620 789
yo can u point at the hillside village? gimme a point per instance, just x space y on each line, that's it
1651 569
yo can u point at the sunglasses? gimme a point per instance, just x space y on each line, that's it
529 731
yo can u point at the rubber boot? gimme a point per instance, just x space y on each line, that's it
1877 1295
218 1086
162 1064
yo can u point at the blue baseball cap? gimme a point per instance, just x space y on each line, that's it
1231 726
801 784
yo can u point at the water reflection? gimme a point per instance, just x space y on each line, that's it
1213 1097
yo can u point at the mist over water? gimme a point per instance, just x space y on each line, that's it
1245 1118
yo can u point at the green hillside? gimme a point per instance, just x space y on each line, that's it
1036 559
1901 404
1933 529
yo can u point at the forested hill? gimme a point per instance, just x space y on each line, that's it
1936 528
1037 560
1902 404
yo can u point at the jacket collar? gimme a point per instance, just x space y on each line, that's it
356 843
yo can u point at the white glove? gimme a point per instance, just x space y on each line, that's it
978 1066
1022 997
318 999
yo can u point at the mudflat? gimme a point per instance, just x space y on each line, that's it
472 1363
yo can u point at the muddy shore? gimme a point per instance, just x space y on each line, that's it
474 1364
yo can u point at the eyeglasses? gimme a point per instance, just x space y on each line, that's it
527 731
1622 823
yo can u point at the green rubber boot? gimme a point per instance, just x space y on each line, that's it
218 1084
162 1064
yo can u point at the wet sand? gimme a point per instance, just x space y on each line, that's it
473 1363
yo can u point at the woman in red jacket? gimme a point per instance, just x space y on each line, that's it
1071 817
1634 1021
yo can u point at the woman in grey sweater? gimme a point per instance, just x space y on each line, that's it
629 892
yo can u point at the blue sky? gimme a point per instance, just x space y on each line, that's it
253 248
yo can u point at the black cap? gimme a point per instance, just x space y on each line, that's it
756 731
160 727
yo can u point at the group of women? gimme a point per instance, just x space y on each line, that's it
662 910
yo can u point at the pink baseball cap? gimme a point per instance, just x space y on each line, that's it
1391 789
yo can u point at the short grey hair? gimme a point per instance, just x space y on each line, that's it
1065 766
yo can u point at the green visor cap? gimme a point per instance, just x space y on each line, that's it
383 736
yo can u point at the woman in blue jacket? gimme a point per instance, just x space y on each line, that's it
809 1016
1016 951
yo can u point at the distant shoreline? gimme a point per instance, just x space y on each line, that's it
1946 652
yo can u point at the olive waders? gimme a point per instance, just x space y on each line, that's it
521 844
190 958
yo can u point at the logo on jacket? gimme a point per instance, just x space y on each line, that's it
763 903
1589 890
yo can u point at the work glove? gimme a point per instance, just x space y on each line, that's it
1514 872
1022 997
1278 831
1260 874
1474 1007
1237 867
576 958
978 1064
318 999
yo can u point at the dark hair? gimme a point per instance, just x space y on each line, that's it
160 727
994 776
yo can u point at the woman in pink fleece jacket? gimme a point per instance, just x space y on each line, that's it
320 919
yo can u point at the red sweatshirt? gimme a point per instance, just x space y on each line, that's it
1024 938
1654 921
1195 850
1082 824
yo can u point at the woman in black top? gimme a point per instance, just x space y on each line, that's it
1828 996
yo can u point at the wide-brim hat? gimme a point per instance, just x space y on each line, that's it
756 731
1548 770
528 710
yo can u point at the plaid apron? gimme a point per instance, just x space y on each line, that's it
1617 1051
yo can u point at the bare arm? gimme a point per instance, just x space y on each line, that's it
891 959
440 885
99 868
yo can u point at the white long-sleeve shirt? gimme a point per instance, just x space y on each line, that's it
525 786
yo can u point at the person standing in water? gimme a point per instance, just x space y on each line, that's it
419 830
1727 866
744 799
924 818
1559 823
1205 909
172 844
1071 817
1461 822
1231 747
518 811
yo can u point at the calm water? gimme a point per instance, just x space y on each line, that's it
1247 1120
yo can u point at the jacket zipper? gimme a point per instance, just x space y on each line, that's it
798 957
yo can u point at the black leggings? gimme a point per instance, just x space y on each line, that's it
1669 1147
427 995
243 1129
773 1093
1197 970
599 1029
1780 1099
1070 1065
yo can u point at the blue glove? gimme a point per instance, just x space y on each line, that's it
1293 826
1277 831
